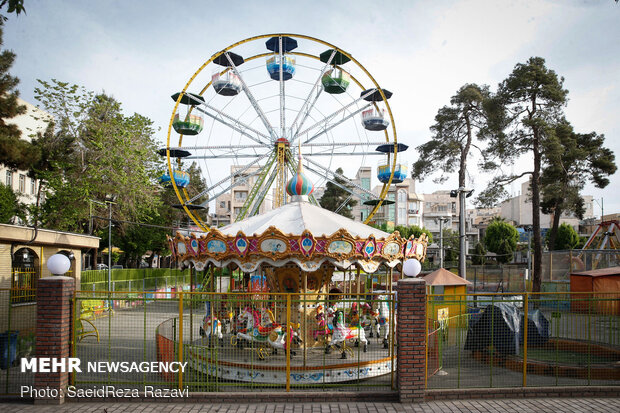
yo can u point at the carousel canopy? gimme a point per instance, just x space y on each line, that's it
297 217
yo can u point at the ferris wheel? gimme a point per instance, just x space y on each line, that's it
245 114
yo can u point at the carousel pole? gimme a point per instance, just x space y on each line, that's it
305 276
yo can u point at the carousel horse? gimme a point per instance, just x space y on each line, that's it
228 319
277 339
325 329
342 333
254 331
368 320
211 326
383 320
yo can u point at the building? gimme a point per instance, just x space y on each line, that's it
31 123
228 206
518 210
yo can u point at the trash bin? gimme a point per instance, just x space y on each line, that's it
8 349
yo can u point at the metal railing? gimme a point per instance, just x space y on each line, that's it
17 338
248 341
570 339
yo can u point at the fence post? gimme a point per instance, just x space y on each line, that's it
412 335
180 297
525 324
53 333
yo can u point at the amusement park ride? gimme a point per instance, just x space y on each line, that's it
286 257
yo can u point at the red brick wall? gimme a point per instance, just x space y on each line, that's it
54 296
411 334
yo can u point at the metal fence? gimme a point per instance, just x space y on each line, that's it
17 338
232 341
558 265
137 279
569 340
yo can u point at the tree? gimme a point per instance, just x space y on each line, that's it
533 97
414 230
103 153
471 111
10 208
15 153
451 245
14 6
566 239
501 238
479 257
572 159
335 196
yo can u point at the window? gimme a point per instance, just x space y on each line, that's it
402 215
9 179
22 183
402 196
33 186
241 195
366 183
237 211
223 204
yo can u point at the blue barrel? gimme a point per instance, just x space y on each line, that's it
8 349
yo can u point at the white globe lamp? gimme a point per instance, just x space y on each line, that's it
412 267
58 264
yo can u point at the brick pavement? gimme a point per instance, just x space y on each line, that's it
563 405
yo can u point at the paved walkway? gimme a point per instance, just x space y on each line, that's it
563 405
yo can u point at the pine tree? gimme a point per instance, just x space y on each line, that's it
15 153
334 196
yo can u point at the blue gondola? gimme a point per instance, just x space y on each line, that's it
384 172
181 178
288 67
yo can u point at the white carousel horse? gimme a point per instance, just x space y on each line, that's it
254 331
383 320
341 333
211 326
277 339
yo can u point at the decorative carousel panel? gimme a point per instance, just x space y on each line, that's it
369 266
272 246
200 265
391 249
216 246
193 247
307 243
370 247
340 248
241 244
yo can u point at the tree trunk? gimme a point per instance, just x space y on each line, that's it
557 214
535 187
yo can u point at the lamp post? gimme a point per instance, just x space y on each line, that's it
109 201
601 205
442 220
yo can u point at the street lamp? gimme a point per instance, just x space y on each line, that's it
601 205
441 220
58 264
109 201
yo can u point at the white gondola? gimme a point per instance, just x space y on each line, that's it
375 120
227 84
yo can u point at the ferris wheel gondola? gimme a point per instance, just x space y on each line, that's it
252 124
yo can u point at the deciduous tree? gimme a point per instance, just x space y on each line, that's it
501 238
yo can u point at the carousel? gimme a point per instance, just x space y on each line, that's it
313 299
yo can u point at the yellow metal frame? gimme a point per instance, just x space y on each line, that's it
201 224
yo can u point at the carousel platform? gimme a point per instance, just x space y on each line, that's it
227 362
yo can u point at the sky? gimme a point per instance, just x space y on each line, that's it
141 52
